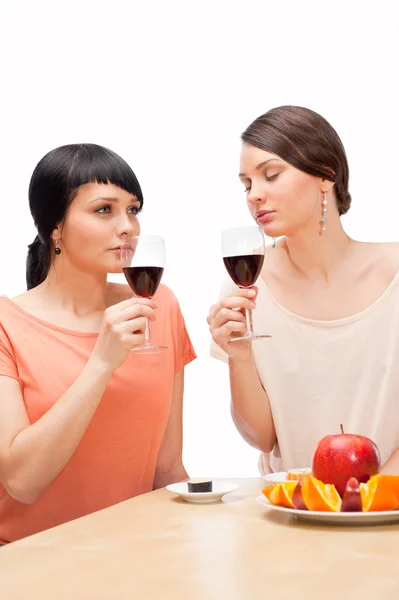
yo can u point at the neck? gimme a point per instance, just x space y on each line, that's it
69 288
316 254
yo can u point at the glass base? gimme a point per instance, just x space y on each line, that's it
250 337
148 349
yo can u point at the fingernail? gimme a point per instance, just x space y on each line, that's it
252 305
251 293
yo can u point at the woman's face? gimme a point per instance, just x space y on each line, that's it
281 198
99 219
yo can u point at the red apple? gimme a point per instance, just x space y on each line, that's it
339 457
351 500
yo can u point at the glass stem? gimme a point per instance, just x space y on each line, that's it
248 318
147 341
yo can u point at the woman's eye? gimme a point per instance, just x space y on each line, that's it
103 210
272 177
134 210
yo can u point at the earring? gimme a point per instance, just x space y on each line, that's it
57 250
323 220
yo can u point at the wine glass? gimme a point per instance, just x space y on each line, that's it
243 251
143 262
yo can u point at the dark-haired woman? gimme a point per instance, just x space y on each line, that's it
84 422
330 303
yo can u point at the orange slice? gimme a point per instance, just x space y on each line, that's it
272 493
286 493
378 494
320 496
393 481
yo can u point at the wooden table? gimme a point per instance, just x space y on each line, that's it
158 547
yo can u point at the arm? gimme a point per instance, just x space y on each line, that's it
170 467
250 406
392 464
31 456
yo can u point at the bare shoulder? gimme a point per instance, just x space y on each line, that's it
388 255
383 256
26 299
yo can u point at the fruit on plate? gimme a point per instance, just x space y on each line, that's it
351 500
281 494
378 494
297 498
339 457
320 496
296 474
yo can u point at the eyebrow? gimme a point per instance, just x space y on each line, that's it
112 199
260 165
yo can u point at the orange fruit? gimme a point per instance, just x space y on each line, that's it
378 494
393 481
320 496
272 493
286 493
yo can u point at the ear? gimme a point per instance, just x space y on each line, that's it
56 233
326 185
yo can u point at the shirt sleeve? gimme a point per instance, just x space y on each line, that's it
8 366
183 349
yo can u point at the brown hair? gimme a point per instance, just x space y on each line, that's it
307 141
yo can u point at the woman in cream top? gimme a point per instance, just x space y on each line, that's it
330 303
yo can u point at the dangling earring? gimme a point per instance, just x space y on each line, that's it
274 243
323 220
57 250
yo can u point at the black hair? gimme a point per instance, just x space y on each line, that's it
55 183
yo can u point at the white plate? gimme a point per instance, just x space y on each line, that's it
336 518
281 477
220 488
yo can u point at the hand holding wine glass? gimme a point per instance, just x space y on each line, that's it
143 262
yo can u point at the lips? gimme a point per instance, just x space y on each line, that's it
264 215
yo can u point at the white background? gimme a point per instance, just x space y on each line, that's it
170 86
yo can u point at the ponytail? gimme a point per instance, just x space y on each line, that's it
37 263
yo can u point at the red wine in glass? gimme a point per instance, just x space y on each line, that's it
244 270
144 281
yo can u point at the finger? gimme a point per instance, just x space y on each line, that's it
132 312
132 302
133 326
133 339
213 311
225 315
238 302
232 327
246 292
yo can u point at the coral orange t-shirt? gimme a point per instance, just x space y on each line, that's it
117 456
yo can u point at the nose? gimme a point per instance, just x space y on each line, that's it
256 196
127 226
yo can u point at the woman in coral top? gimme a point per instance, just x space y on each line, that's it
330 303
84 422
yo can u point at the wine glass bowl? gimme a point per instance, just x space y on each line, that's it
143 262
243 251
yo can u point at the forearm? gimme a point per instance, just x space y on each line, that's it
250 407
174 475
40 452
392 464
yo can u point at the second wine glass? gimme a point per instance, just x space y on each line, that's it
143 263
243 250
